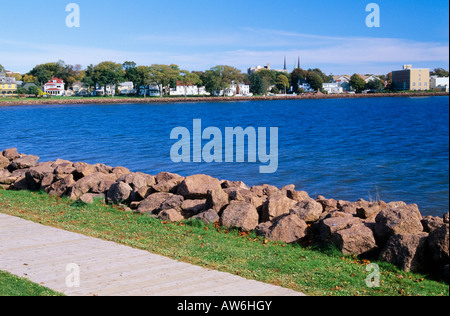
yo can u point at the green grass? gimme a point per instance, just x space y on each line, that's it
311 271
11 285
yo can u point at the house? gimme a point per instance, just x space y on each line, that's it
235 90
186 89
126 88
150 91
8 84
104 90
78 88
342 81
439 83
305 86
411 79
55 86
332 88
368 78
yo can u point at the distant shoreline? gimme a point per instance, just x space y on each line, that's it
121 100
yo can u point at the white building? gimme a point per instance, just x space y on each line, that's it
188 90
305 86
342 81
439 83
333 88
126 88
236 90
55 86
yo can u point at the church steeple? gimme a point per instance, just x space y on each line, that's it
285 64
299 62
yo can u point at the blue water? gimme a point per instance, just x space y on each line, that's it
388 148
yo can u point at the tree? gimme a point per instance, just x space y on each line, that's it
282 83
440 72
357 83
375 85
2 69
212 79
189 78
143 78
315 80
164 76
109 73
298 75
257 85
34 90
131 73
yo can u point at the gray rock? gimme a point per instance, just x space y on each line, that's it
240 215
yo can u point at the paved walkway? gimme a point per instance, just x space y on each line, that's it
59 259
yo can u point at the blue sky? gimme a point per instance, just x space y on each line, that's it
199 34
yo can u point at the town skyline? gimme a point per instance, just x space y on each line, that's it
200 35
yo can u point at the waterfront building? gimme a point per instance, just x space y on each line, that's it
8 84
54 86
410 78
440 84
333 88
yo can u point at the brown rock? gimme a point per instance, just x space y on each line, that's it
4 162
24 162
152 204
286 228
119 192
120 171
298 196
61 187
94 183
64 168
328 205
240 215
407 251
355 240
82 170
5 177
174 202
170 185
402 220
197 186
10 153
208 217
264 190
171 215
137 180
244 195
102 168
167 176
331 225
367 210
89 198
308 210
430 223
193 207
217 200
446 218
234 184
276 205
438 243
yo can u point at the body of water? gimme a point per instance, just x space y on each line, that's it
388 148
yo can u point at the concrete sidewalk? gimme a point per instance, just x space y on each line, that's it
58 260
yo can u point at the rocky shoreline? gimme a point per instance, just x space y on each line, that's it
394 232
109 100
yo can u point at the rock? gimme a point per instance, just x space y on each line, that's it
4 162
82 170
10 154
167 182
276 205
347 207
141 194
208 217
298 196
407 251
289 187
20 184
102 168
438 243
328 205
331 225
286 228
193 207
171 215
445 274
217 200
367 210
5 177
35 175
241 215
94 183
446 218
308 210
61 187
393 221
120 171
137 180
152 204
64 168
197 186
24 162
355 240
234 184
167 176
430 223
244 195
119 192
264 190
174 202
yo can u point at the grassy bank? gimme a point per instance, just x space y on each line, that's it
10 285
12 101
311 271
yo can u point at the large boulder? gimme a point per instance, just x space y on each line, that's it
328 205
5 177
197 186
61 187
94 183
438 242
167 182
335 222
241 215
36 174
245 195
298 196
355 240
264 190
397 220
119 192
368 210
276 205
171 215
217 200
137 180
10 154
4 162
431 223
174 202
82 170
208 217
25 162
152 204
407 251
193 207
286 228
308 210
